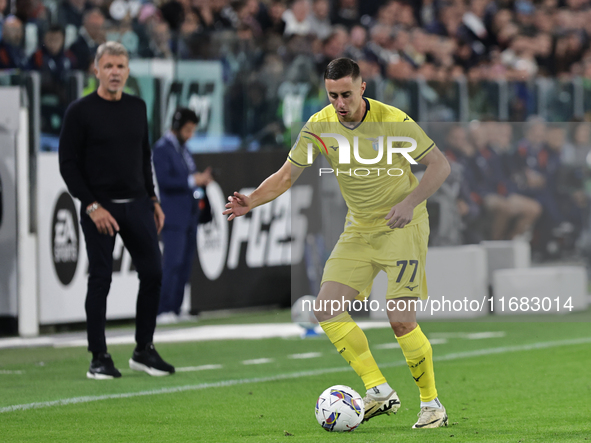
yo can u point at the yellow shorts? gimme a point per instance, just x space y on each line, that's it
401 253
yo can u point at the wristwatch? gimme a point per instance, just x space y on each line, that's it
93 207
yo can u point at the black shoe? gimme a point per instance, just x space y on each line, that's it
149 361
103 368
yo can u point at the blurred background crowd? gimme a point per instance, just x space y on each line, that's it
487 62
529 181
435 39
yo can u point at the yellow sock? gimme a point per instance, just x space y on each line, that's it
352 344
419 356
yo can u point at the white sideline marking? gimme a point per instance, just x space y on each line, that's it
225 383
198 368
469 335
481 335
257 361
5 372
394 345
305 355
193 334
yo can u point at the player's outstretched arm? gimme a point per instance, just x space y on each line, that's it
437 171
273 186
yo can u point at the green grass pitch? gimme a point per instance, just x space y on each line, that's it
530 382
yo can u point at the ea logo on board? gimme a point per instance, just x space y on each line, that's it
65 238
212 237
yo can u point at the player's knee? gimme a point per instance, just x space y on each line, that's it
402 328
321 313
326 309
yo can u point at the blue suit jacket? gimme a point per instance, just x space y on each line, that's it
176 196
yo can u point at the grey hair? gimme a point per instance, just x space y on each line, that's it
110 48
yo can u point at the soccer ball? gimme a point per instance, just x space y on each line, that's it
340 409
303 314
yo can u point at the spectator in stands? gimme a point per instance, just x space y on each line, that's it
381 46
502 143
425 11
519 58
12 55
247 12
405 18
512 214
447 23
32 12
91 35
297 19
275 23
173 12
215 15
51 60
565 183
459 152
578 152
3 8
333 47
159 43
542 44
71 12
568 50
147 17
535 167
525 16
346 13
400 70
54 65
319 19
356 49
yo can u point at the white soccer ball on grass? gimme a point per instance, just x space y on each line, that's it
339 409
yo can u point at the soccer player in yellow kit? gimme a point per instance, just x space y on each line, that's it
386 228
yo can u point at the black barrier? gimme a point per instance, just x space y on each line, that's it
248 262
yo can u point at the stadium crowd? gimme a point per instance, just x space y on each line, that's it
529 181
438 40
533 179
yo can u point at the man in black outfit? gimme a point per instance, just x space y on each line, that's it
105 160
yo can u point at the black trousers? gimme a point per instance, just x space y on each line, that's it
138 232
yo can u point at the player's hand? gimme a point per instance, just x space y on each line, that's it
399 216
158 217
238 205
104 221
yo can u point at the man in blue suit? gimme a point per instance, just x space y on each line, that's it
179 184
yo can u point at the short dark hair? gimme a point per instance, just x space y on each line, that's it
182 116
342 67
56 28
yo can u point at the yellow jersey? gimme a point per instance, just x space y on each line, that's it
371 161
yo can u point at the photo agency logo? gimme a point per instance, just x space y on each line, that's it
340 153
65 238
